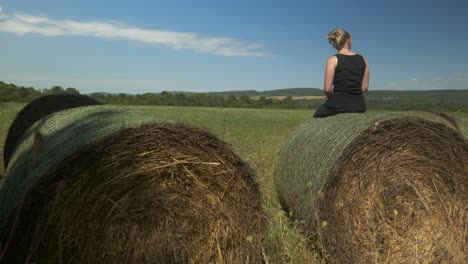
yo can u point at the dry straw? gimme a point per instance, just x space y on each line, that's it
143 193
379 188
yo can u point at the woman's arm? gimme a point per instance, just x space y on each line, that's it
329 75
365 79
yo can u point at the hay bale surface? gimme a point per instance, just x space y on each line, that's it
150 193
36 110
387 188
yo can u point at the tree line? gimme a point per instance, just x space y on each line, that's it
200 99
20 94
13 93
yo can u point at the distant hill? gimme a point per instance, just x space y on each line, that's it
387 96
428 96
131 94
305 98
279 92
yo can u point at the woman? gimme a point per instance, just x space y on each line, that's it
346 78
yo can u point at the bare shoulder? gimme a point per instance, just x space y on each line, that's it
332 61
367 63
333 58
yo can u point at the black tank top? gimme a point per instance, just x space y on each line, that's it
347 84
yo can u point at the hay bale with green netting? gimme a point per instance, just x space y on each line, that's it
378 188
36 110
103 184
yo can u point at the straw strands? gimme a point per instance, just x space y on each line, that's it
379 188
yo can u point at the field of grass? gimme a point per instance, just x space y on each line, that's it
257 136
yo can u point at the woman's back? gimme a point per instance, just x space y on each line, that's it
349 73
347 94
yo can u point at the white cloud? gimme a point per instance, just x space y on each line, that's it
22 24
413 79
392 84
459 76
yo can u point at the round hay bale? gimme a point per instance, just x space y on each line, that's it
36 110
147 193
379 188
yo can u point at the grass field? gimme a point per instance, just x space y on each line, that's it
257 136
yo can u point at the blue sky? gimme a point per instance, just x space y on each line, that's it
208 45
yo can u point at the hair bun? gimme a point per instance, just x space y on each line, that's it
333 36
338 38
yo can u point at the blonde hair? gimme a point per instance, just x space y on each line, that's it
338 38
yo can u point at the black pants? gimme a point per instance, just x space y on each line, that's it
323 111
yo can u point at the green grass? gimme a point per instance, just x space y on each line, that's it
8 112
257 136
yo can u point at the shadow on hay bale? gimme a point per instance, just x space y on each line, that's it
36 110
378 188
153 193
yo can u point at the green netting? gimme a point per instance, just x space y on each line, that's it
63 133
312 151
